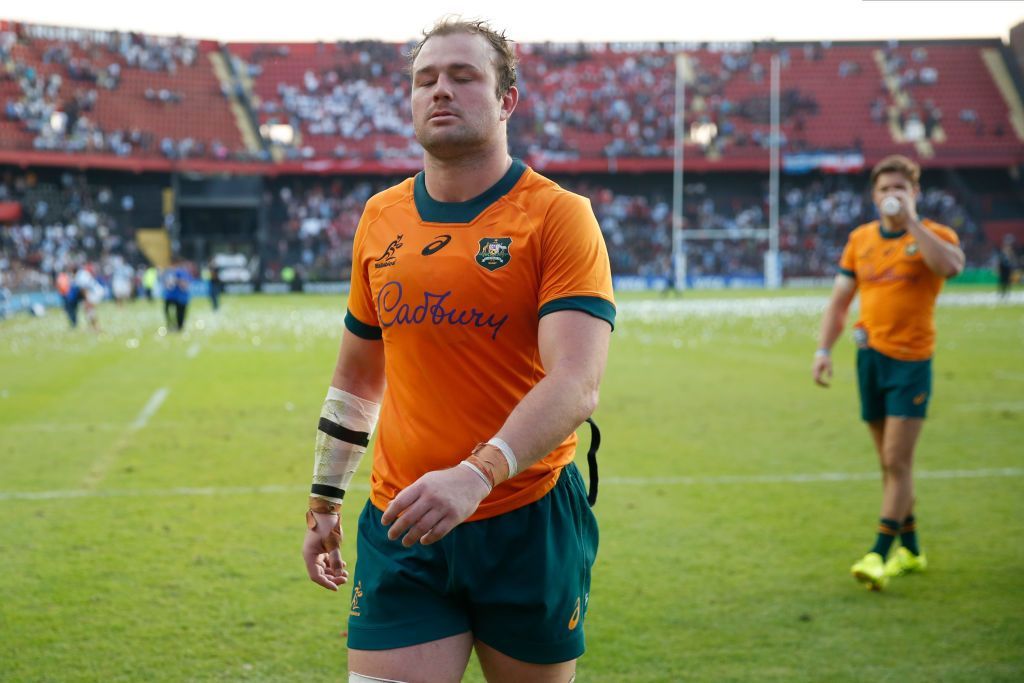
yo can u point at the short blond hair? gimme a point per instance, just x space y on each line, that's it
505 61
897 163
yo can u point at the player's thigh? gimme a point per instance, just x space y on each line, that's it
439 661
901 435
877 430
500 668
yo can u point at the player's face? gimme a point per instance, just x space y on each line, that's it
897 185
455 107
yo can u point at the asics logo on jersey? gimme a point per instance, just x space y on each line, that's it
433 309
437 245
388 257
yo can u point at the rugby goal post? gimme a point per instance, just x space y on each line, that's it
772 263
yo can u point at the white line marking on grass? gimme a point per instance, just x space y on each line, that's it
810 478
766 306
150 408
1008 406
98 470
193 351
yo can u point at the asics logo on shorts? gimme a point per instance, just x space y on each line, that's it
575 618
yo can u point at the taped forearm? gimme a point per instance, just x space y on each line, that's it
346 423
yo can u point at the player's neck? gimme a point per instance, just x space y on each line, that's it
890 226
462 179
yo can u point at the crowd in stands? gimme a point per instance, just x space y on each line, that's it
50 88
607 101
313 224
71 222
349 101
65 225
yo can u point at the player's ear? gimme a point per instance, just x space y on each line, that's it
508 103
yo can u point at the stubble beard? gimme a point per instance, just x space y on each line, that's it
448 145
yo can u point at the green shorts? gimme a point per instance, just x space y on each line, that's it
891 387
520 582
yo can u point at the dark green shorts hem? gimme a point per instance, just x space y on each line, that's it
535 652
403 635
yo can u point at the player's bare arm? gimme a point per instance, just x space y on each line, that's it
942 257
574 348
358 380
832 322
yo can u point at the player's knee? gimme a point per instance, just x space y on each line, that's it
895 465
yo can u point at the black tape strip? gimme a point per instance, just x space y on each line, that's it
343 434
327 491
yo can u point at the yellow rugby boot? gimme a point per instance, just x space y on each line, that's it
870 571
904 562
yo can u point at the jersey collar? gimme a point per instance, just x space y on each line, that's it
886 235
433 211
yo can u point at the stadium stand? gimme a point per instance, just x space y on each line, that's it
93 119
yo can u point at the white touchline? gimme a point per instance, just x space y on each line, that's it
98 471
808 478
150 408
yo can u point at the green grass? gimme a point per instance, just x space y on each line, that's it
707 574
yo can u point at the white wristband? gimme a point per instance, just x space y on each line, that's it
483 477
822 353
506 450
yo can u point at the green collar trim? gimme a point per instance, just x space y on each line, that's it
886 235
433 211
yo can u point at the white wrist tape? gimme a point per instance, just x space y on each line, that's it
346 423
483 477
510 456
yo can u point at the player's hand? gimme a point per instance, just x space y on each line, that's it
321 551
909 203
433 505
822 369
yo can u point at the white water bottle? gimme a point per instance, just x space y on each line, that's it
891 206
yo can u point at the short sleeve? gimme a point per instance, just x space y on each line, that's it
361 318
947 234
848 261
576 273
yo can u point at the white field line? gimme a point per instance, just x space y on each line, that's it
98 470
654 310
808 478
1009 406
153 405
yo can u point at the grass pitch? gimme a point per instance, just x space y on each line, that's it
152 489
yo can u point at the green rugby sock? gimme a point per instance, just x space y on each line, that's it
908 535
888 529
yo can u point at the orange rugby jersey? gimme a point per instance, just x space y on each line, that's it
897 289
456 290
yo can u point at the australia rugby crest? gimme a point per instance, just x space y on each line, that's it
494 252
